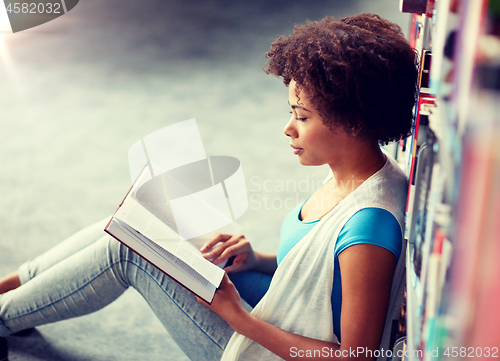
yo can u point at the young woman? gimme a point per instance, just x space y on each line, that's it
335 284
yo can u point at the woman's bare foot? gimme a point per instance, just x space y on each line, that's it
9 282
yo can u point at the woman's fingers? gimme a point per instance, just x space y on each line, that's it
237 266
202 301
234 250
216 238
226 246
224 241
217 251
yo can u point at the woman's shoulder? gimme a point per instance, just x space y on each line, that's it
386 189
375 226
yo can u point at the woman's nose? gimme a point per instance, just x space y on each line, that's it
289 128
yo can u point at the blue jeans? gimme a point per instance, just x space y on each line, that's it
90 270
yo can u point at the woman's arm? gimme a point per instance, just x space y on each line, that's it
367 273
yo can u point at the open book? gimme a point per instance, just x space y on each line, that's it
149 229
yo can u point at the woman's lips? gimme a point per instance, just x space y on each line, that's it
297 150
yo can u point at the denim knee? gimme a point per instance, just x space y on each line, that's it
118 256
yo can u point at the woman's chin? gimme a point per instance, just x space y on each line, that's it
305 161
310 163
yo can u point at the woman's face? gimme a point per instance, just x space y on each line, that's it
310 138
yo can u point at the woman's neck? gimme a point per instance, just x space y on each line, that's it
358 164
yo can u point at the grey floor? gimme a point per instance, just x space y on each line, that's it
77 92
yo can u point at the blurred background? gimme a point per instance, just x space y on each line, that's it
77 92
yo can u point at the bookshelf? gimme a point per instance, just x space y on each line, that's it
453 164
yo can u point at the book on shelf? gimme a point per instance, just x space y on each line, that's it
413 6
148 228
414 143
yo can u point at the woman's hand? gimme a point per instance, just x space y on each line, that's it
227 303
231 245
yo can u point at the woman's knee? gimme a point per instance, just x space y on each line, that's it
115 250
111 254
123 260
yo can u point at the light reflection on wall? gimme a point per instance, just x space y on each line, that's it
5 59
4 27
4 30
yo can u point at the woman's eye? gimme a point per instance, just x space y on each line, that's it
299 119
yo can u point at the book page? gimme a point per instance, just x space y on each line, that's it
163 260
151 194
143 221
190 255
175 260
139 218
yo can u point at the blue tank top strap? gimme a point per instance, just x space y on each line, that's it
292 231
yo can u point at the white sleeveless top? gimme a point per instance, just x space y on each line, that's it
299 296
